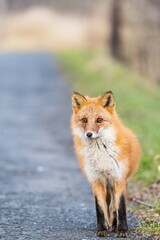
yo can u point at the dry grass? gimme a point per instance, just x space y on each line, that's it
41 28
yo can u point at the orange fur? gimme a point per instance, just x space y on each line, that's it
125 149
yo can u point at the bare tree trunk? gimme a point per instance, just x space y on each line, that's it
116 21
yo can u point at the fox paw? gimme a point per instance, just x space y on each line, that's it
122 233
102 233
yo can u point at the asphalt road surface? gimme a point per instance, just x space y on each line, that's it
43 194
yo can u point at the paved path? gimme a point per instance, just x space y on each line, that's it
43 195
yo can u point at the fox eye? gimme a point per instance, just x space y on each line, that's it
84 120
99 120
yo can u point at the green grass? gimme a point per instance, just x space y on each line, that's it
150 228
137 101
149 219
157 208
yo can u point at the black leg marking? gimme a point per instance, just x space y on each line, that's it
122 218
108 201
101 228
114 223
108 198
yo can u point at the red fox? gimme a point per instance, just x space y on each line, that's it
108 154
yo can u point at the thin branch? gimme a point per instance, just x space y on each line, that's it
143 203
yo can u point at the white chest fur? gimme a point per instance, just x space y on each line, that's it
101 158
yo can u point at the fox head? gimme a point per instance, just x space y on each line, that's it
92 116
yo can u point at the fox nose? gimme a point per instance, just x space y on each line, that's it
89 134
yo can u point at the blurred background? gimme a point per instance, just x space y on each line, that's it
100 45
126 28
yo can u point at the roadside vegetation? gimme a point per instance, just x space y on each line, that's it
138 104
137 101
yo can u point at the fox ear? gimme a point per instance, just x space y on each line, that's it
107 100
78 101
